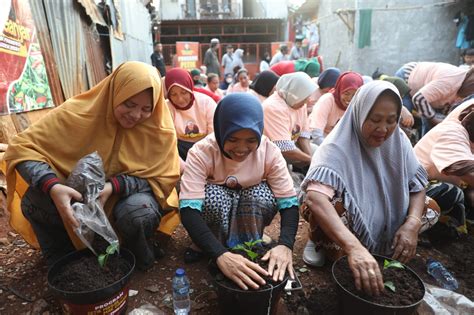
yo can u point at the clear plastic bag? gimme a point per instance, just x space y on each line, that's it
88 178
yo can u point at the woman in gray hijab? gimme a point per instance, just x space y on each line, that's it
365 187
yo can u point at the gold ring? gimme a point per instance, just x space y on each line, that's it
371 272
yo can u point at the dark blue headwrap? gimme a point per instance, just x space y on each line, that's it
235 112
328 78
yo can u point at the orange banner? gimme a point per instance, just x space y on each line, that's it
188 55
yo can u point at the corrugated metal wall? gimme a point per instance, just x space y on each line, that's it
136 27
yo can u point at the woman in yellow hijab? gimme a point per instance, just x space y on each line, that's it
124 118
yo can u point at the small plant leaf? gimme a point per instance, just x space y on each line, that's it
112 248
252 255
102 259
392 264
239 247
249 244
389 285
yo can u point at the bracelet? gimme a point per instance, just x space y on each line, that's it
414 217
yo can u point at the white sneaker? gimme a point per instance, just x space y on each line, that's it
312 257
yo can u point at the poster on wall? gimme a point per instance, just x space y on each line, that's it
188 55
23 80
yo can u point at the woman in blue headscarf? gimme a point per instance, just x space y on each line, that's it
235 182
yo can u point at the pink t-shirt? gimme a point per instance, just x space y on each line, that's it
261 98
218 92
444 145
321 188
197 122
326 114
237 88
206 164
283 122
438 82
314 97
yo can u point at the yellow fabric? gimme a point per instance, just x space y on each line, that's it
86 123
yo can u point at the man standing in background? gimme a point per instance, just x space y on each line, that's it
210 58
157 59
227 60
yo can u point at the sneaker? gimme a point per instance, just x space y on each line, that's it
313 257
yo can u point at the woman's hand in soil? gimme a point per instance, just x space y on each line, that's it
62 196
366 271
241 270
280 259
105 193
405 241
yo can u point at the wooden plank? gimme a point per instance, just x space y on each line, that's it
44 39
7 129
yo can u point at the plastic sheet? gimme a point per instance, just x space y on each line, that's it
444 302
147 309
88 178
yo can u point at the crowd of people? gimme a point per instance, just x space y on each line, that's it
220 153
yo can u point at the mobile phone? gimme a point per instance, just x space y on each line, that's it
293 284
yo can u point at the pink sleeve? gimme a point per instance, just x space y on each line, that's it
304 116
194 178
277 123
278 176
321 188
211 108
452 146
321 111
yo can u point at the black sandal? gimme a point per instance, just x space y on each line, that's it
192 256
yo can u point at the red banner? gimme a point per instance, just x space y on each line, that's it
23 80
188 55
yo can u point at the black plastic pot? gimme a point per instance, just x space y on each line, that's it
112 299
352 304
236 301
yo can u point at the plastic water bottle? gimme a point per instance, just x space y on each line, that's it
444 278
181 301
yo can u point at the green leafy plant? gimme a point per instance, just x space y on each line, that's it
387 264
111 249
248 248
392 264
389 285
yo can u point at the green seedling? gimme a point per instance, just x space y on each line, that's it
389 285
248 247
111 249
392 264
387 264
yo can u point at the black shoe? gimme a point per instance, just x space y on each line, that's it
158 251
192 256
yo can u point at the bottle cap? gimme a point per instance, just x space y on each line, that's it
180 272
430 260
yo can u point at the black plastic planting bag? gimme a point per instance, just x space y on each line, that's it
88 178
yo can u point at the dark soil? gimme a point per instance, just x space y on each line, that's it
86 274
408 288
318 300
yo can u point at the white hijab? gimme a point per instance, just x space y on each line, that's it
373 182
295 87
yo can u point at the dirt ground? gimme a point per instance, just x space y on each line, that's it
24 290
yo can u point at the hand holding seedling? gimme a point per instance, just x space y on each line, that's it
241 270
62 196
366 271
280 259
